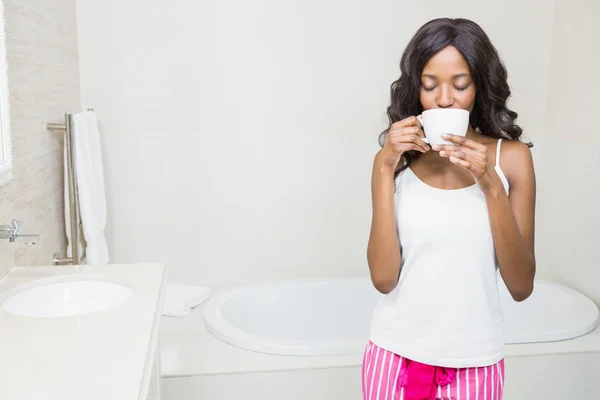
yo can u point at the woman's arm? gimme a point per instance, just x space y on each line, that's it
512 219
383 251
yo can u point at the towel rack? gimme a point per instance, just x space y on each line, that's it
74 214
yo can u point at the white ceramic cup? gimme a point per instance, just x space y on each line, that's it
439 121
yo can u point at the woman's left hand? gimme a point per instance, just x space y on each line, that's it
469 155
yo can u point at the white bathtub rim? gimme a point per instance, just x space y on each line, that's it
588 306
188 349
229 334
216 325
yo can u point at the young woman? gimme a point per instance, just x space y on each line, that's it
445 220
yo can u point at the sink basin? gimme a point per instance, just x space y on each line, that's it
67 299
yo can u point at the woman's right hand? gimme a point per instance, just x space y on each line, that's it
403 136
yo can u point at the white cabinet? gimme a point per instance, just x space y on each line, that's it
154 390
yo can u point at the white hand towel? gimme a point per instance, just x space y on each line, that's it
180 299
90 185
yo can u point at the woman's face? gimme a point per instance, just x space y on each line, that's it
446 82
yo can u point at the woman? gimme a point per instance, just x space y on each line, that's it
445 219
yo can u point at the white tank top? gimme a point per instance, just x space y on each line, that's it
445 309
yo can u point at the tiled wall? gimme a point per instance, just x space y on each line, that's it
44 84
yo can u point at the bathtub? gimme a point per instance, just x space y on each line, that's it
333 317
306 338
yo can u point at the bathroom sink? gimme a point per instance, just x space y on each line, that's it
67 299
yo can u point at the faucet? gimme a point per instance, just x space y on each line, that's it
12 233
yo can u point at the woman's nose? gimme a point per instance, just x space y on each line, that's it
445 98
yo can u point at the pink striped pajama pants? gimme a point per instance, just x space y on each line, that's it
388 376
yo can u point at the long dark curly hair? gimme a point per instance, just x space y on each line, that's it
490 116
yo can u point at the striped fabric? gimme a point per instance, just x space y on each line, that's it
383 378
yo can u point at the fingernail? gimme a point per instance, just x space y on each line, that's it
443 153
436 146
445 135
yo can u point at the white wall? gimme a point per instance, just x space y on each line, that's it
569 196
239 135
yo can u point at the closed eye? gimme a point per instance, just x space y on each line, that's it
464 86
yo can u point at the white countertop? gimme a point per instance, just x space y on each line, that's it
99 356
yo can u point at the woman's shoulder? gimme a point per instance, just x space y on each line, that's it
511 151
516 160
514 153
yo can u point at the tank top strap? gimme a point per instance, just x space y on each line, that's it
498 152
499 169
